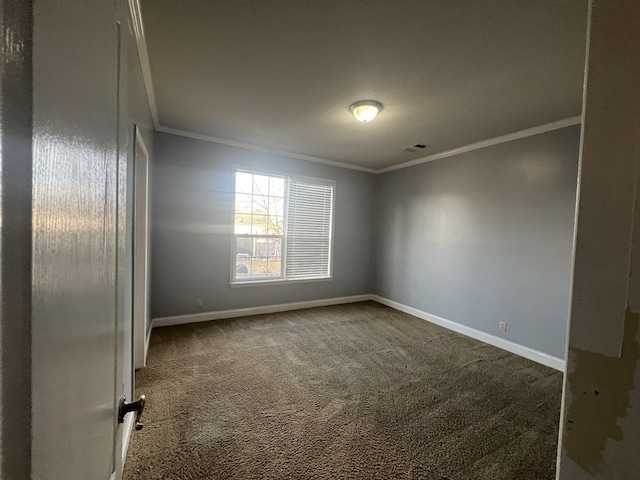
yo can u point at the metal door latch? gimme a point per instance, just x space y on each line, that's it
137 406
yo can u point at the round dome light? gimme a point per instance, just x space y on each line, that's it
365 110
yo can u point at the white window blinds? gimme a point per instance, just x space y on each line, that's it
309 225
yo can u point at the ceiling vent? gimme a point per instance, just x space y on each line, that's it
415 148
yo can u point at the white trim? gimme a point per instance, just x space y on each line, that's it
146 343
141 43
143 55
127 428
244 312
526 352
257 148
140 250
565 385
145 66
529 132
279 281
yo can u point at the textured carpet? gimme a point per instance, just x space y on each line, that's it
357 391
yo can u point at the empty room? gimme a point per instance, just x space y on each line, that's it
320 239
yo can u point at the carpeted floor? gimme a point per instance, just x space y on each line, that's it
358 391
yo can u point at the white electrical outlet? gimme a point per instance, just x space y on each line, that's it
503 326
198 302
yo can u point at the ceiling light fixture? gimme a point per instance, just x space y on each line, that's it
365 110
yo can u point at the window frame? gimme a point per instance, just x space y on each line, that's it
282 279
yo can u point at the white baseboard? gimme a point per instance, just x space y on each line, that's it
526 352
244 312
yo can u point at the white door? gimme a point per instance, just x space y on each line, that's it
77 227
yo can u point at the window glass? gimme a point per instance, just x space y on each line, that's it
281 220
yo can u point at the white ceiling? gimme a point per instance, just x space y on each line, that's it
281 74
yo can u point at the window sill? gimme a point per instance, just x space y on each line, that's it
262 283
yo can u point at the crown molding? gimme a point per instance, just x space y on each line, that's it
141 43
257 148
143 56
529 132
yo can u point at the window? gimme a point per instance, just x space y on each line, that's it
282 228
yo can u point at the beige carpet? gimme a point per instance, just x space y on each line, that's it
357 391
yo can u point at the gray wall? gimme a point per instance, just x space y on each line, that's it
192 189
484 237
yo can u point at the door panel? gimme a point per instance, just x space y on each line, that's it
75 222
